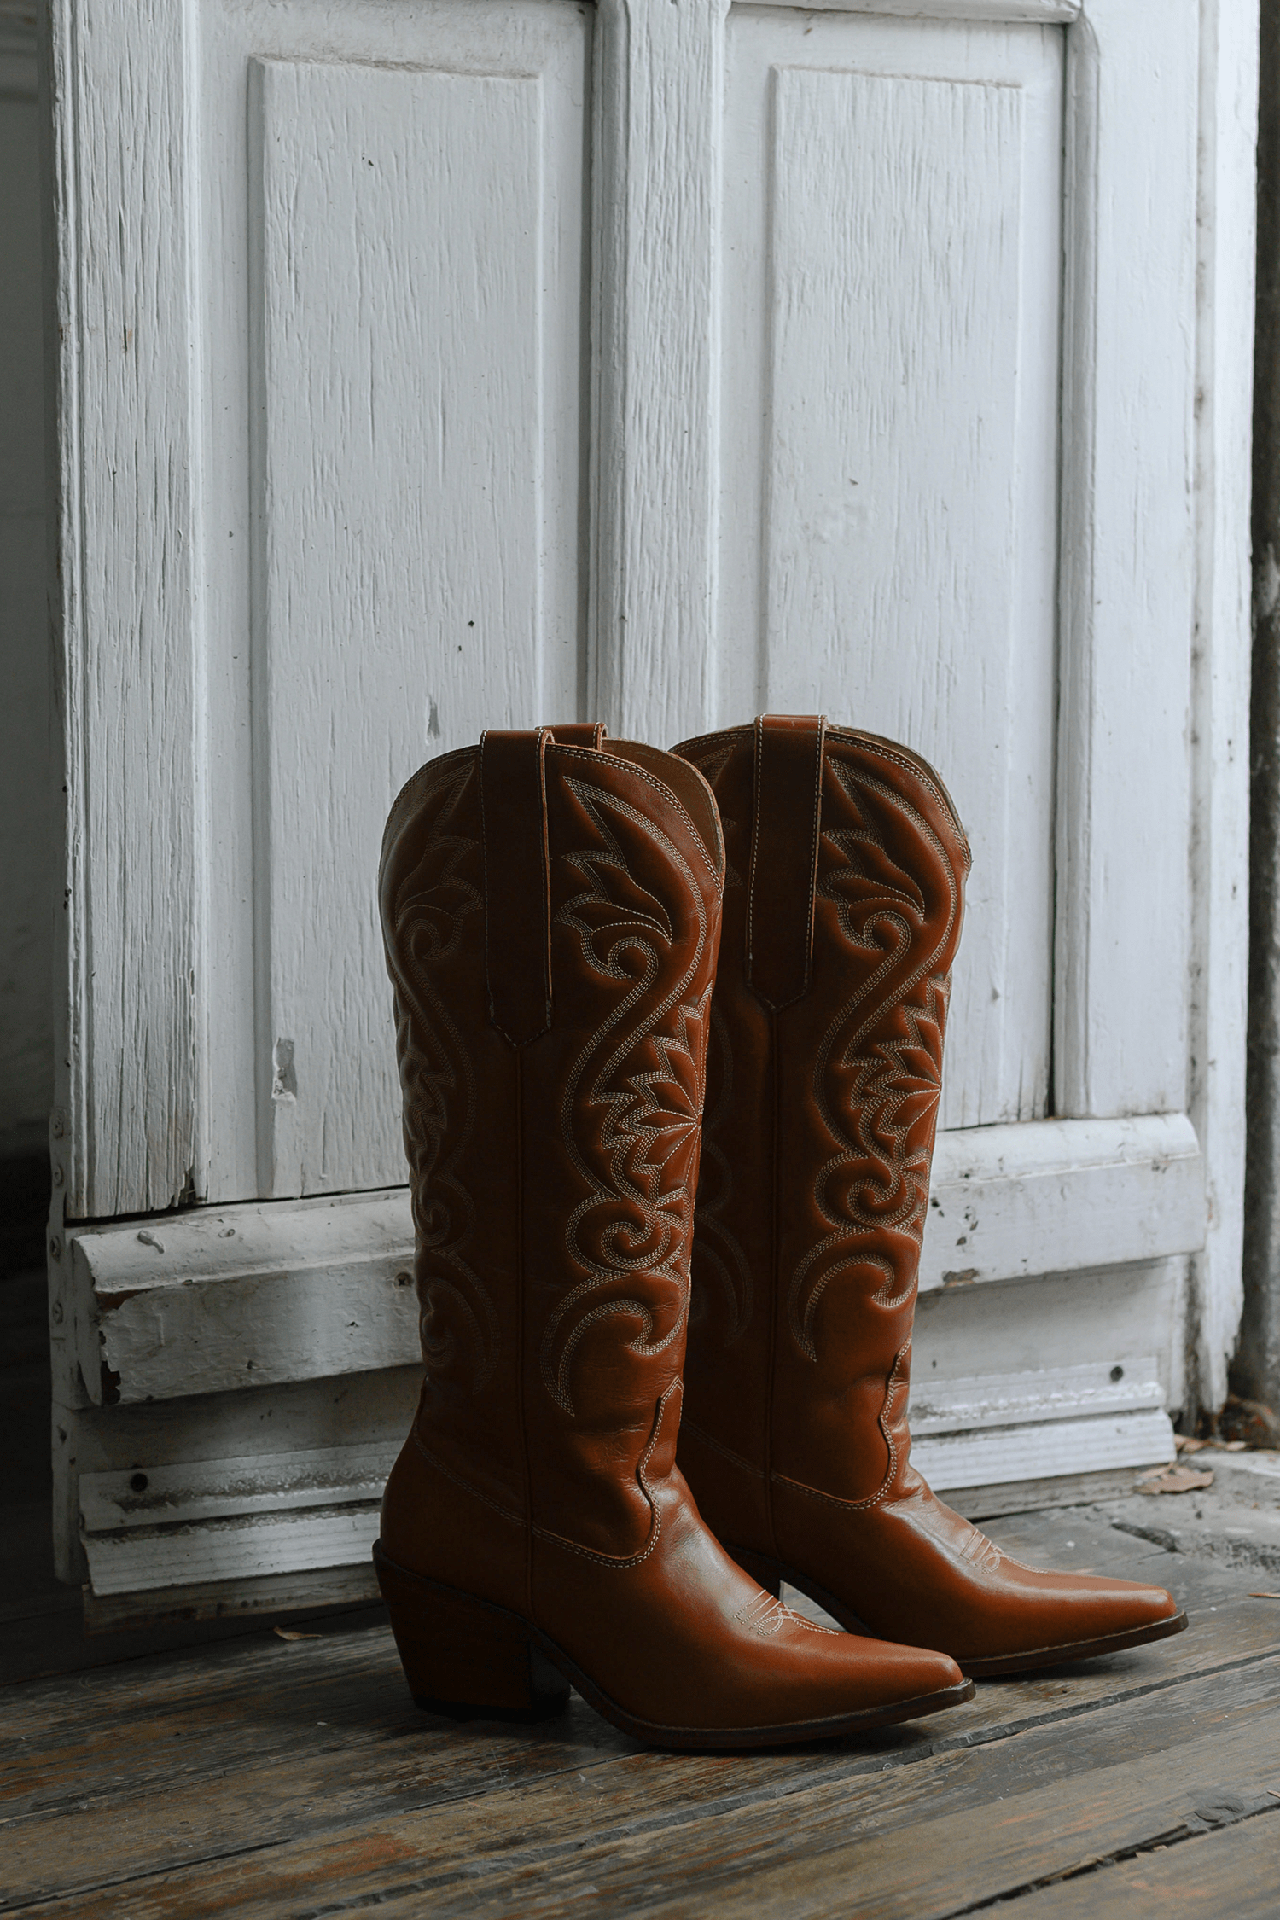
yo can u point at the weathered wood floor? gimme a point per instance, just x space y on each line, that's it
257 1776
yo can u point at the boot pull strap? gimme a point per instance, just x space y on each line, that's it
517 882
785 814
578 733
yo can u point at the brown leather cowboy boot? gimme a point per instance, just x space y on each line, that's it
845 867
552 914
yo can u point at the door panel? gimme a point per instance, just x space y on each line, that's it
889 407
394 437
870 291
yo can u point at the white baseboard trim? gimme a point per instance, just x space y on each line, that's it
255 1295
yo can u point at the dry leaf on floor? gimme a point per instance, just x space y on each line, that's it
291 1633
1185 1443
1175 1480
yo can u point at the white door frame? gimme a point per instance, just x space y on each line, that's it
127 603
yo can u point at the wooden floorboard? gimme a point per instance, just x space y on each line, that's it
185 1774
944 1835
1227 1875
252 1760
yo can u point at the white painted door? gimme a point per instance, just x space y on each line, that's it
483 362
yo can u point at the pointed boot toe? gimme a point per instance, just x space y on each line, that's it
1038 1619
551 913
828 1022
913 1681
857 1684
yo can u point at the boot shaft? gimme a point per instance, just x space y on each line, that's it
845 868
551 915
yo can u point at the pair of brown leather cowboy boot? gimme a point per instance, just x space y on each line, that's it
554 906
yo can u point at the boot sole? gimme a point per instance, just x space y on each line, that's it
771 1573
469 1659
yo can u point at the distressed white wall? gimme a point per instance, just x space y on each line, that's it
26 955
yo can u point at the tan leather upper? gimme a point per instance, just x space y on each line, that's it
845 872
552 916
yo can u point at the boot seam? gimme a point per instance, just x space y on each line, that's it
522 1313
774 1271
832 1499
655 1516
718 1446
891 1471
467 1486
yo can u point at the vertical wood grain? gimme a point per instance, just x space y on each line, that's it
26 850
1221 663
416 685
892 484
128 602
659 115
1128 563
1074 824
889 497
408 594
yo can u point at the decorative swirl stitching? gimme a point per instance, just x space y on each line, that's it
911 763
669 799
766 1617
644 1131
886 1078
438 1082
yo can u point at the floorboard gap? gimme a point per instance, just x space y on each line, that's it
1207 1820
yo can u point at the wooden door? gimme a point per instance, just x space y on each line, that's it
491 361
